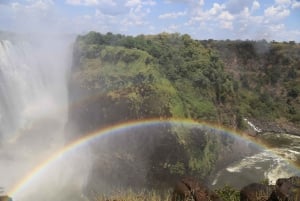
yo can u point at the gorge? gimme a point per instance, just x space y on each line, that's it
164 102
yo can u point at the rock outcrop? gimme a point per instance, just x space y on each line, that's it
286 189
5 198
276 126
256 191
191 189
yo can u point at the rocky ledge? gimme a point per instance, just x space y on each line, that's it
279 126
285 189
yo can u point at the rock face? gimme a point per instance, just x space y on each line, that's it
286 189
5 198
191 189
255 192
113 85
276 126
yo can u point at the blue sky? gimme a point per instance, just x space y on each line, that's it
202 19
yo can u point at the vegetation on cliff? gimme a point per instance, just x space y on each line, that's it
268 76
184 78
217 81
117 78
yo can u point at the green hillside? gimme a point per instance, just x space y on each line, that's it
216 81
183 77
117 78
268 75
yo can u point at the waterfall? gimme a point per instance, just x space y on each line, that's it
32 85
255 128
33 102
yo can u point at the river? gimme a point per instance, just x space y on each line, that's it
279 160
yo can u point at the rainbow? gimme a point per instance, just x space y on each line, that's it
38 170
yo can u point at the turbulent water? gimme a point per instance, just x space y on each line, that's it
33 103
278 161
33 113
32 78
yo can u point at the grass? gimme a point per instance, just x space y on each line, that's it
130 195
227 193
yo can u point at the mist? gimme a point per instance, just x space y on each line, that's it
35 61
36 57
34 110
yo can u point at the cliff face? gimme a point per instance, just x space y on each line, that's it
172 75
269 81
117 78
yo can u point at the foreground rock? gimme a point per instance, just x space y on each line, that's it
276 126
286 189
191 189
5 198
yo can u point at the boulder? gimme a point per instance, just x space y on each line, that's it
286 189
5 198
256 192
191 189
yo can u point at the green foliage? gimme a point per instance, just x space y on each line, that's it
265 181
227 193
172 75
194 74
130 195
266 72
178 168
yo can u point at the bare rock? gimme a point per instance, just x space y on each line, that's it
286 189
191 189
256 192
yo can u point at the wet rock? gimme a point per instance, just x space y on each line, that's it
276 126
191 189
256 192
286 189
5 198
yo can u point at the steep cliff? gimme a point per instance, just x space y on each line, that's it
116 78
268 76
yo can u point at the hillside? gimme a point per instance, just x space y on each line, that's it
216 81
117 78
268 77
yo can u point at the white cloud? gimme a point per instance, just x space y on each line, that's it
34 16
245 13
200 2
172 28
226 20
217 8
200 16
172 15
296 4
83 2
277 28
255 5
149 2
283 2
276 12
226 25
127 3
236 6
225 15
131 3
40 8
39 5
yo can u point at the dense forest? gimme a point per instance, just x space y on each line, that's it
117 78
174 75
